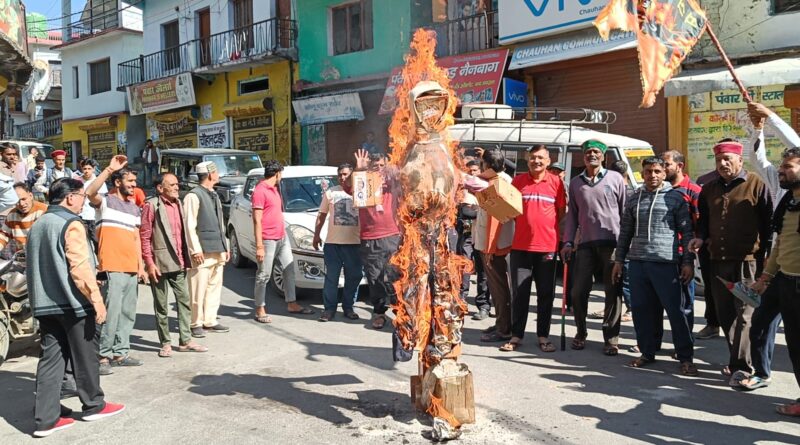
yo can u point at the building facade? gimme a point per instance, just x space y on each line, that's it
16 67
706 106
95 117
215 74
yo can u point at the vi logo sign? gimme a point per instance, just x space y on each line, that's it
538 11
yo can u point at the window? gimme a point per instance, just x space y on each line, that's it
253 85
171 41
100 76
351 27
781 6
75 83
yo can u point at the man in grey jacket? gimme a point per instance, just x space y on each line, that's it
654 236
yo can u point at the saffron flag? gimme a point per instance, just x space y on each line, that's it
666 31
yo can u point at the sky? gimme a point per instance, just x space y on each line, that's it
51 8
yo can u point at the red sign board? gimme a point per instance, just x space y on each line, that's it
474 77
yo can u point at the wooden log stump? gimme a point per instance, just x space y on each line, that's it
450 382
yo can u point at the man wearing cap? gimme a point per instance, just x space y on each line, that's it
557 169
59 170
208 248
735 213
596 203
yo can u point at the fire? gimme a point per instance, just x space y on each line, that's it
429 311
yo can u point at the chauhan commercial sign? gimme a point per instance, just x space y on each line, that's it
161 94
529 19
474 77
573 45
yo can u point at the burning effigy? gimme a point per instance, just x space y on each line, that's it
429 312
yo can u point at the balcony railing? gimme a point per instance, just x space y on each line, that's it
273 36
467 34
39 129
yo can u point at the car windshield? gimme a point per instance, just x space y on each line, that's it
235 165
304 194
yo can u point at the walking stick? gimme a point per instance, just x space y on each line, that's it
564 307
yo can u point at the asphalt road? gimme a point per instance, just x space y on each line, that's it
298 380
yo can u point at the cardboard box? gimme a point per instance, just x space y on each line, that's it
500 200
367 189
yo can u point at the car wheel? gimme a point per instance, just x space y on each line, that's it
5 339
277 278
237 259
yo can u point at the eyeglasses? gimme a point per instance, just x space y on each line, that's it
82 195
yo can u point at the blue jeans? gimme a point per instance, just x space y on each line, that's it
655 286
338 256
763 330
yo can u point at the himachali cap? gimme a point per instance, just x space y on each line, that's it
558 166
594 143
728 147
58 153
205 167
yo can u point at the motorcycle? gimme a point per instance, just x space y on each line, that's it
16 314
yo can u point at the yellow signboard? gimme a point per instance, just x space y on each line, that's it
730 99
102 146
254 133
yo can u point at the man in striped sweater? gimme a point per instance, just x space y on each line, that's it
14 232
655 232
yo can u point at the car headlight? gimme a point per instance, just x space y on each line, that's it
300 237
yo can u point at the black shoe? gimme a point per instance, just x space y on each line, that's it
198 332
126 361
218 328
105 368
482 314
66 412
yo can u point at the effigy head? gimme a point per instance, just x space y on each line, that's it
429 102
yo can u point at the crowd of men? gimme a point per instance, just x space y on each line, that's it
641 243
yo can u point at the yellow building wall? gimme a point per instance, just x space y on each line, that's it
71 132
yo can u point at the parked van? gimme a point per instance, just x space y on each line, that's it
562 130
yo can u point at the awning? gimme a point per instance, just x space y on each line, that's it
172 117
775 72
241 109
97 124
333 108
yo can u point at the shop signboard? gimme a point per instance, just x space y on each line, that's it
213 135
530 19
333 108
253 133
474 77
515 93
707 127
102 146
162 94
573 45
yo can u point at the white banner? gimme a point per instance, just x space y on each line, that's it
531 19
213 135
318 110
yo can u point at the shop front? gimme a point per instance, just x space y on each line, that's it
335 125
98 138
174 129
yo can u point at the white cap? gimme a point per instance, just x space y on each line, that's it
205 167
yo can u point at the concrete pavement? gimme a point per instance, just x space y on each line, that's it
298 380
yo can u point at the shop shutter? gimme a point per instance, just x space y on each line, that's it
605 82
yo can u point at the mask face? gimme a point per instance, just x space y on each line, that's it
430 110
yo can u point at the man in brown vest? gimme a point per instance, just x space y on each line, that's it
734 224
166 257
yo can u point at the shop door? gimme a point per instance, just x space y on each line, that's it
607 82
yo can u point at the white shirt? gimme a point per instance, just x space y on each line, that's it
765 169
89 213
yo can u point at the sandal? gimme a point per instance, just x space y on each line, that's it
165 351
689 369
351 315
726 371
627 316
493 337
263 318
547 346
640 362
790 409
303 311
610 350
754 382
510 346
192 347
378 322
326 316
578 343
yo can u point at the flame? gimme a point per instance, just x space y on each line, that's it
423 261
666 31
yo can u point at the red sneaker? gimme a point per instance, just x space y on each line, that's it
111 409
62 424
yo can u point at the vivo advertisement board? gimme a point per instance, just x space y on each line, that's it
529 19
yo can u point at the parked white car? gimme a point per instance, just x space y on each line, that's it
301 189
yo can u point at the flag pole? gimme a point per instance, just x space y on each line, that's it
728 64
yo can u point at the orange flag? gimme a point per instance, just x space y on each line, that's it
666 30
